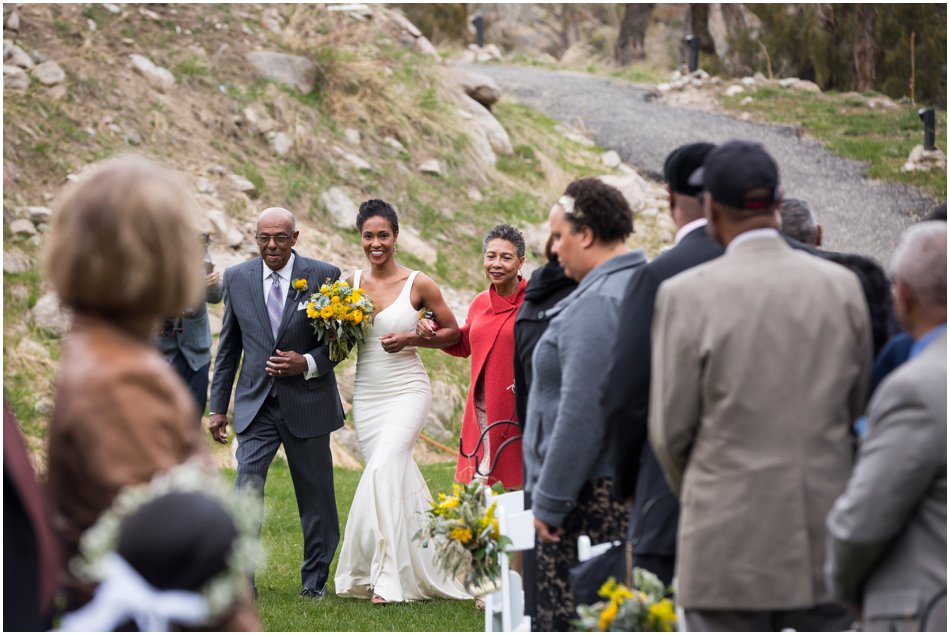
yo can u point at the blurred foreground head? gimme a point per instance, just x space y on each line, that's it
122 243
919 269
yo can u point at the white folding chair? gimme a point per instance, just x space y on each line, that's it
504 609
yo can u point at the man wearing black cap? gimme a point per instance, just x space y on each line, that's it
626 391
760 366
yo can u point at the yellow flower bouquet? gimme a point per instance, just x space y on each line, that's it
645 608
339 314
464 532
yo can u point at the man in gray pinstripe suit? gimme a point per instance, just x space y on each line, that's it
286 391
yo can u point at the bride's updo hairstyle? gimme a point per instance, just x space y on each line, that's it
377 207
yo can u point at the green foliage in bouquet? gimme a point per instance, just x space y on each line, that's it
464 532
339 314
645 608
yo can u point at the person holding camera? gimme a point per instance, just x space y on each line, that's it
185 340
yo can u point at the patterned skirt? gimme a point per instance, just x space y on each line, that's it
596 515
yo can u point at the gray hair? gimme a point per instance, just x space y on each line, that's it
798 221
505 232
920 261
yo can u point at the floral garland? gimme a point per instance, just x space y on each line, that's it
223 591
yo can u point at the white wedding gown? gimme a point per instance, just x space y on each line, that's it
390 404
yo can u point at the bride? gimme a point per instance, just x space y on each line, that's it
379 558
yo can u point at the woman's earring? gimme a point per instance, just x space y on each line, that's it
395 248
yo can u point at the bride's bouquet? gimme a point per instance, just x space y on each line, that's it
464 531
339 314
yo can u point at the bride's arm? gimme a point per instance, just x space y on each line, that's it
431 298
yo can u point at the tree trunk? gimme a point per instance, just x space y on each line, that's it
863 61
699 23
633 31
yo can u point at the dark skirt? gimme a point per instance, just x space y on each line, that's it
596 515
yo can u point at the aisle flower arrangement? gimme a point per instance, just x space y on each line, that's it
339 314
463 530
645 608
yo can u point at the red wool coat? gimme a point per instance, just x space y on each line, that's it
488 336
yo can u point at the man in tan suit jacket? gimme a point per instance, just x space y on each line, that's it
761 361
887 534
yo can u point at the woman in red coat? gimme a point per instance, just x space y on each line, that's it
486 451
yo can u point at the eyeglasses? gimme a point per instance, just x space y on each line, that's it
281 240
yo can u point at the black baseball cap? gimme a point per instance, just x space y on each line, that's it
739 174
680 165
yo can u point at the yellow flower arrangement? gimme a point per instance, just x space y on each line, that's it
462 528
338 313
645 608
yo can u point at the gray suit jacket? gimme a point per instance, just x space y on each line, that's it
310 407
760 364
887 534
191 336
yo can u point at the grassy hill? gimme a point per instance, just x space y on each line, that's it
378 110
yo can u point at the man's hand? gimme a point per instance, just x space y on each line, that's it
286 364
212 278
219 428
546 532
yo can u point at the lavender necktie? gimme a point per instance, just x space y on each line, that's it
275 304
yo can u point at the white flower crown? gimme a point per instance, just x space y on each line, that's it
223 591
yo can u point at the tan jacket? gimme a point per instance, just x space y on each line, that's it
121 415
761 361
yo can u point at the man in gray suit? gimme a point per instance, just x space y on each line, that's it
887 534
760 364
286 391
185 340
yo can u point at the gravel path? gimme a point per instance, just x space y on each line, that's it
858 215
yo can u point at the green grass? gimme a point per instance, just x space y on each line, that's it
278 578
881 138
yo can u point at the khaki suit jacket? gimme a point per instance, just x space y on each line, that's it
887 534
761 361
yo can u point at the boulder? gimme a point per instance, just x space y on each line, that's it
394 143
340 207
733 90
921 160
223 229
352 136
114 9
804 84
272 21
32 348
404 23
12 22
242 184
479 87
15 56
292 70
633 187
610 159
15 78
483 119
38 214
280 143
424 46
157 77
50 316
431 166
15 262
22 227
356 161
412 243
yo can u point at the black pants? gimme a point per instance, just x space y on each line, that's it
196 380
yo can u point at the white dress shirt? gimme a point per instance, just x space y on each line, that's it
689 227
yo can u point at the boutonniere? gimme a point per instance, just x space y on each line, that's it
300 285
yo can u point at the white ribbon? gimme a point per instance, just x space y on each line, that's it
125 595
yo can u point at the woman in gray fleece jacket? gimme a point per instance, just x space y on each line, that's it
567 471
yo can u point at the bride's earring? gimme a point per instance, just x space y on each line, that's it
395 248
